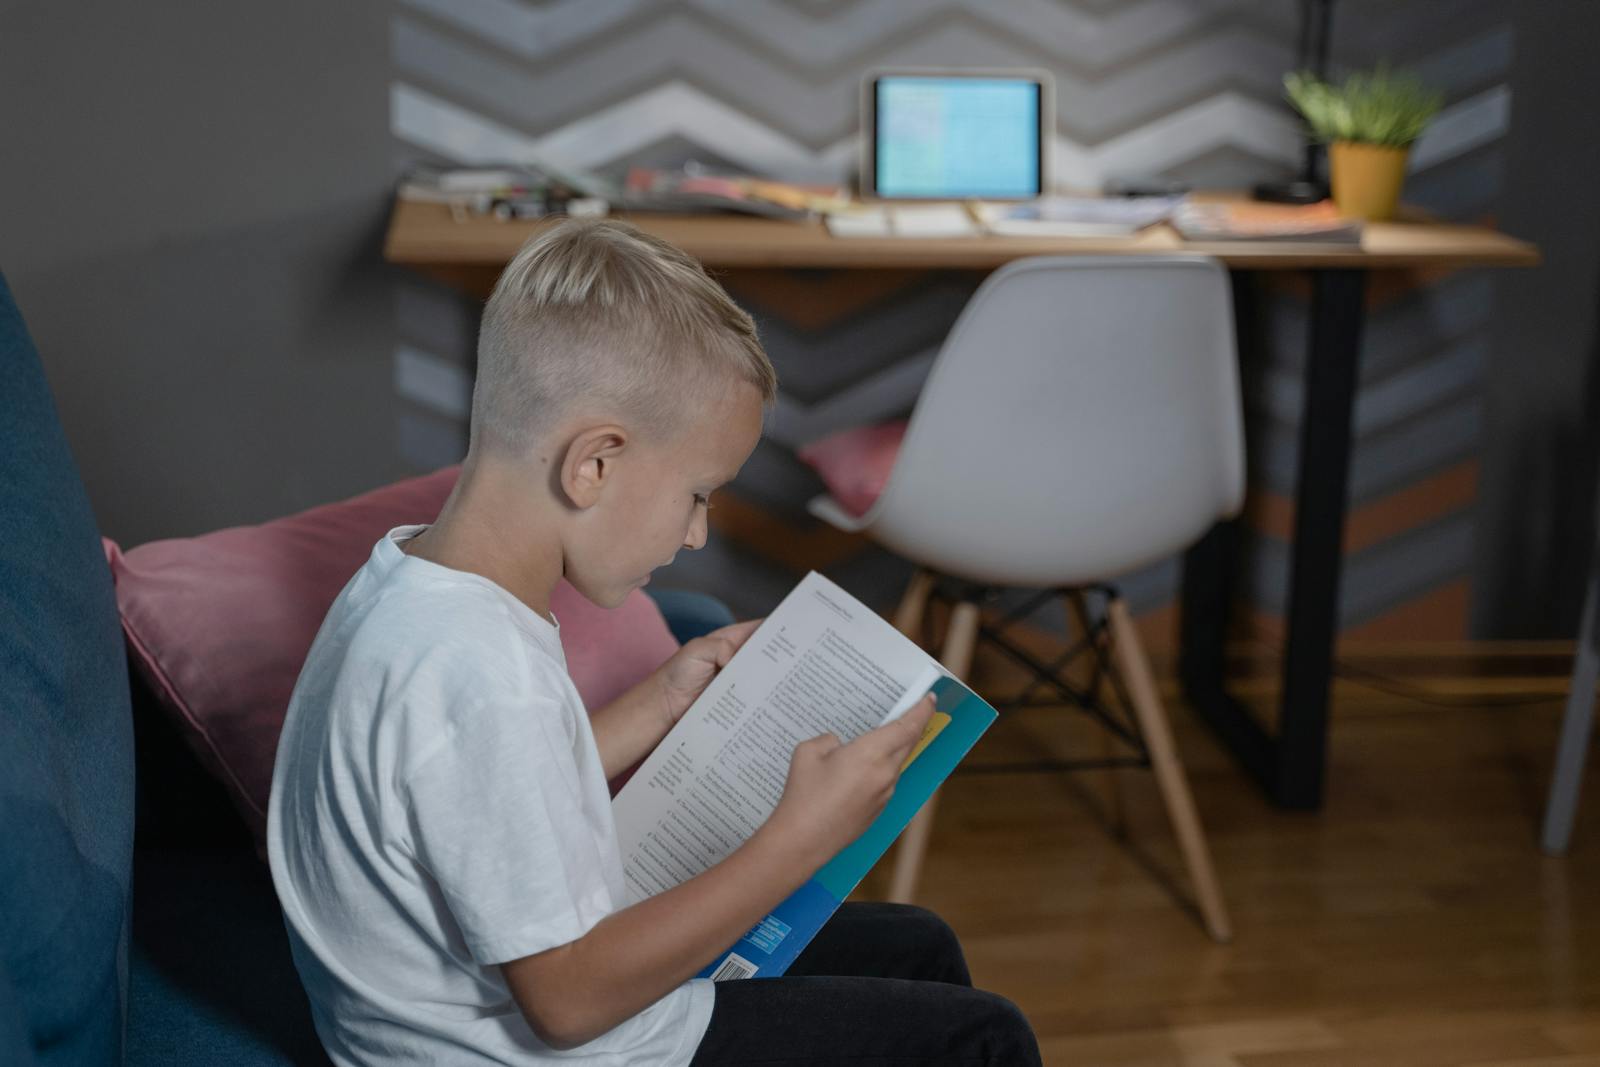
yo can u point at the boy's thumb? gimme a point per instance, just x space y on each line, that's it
916 719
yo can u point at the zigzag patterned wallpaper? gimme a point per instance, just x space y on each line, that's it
1185 88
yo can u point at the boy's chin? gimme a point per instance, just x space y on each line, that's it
607 595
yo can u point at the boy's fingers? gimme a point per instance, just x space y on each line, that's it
917 718
822 744
718 646
902 734
737 633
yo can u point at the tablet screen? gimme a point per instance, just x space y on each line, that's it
956 137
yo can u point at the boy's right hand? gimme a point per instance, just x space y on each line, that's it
835 790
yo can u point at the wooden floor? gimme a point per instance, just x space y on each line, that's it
1413 921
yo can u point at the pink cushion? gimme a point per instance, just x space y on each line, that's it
855 464
219 625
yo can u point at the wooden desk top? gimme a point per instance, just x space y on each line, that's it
426 236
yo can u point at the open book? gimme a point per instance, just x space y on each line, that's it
1077 216
1246 220
823 662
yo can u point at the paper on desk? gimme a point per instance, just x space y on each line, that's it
1070 216
860 222
904 220
932 220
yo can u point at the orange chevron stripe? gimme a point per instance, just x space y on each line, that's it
815 300
1440 615
1449 491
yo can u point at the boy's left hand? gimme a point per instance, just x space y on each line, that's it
686 675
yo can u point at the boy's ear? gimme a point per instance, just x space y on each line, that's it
586 468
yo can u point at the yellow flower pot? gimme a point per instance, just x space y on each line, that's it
1366 178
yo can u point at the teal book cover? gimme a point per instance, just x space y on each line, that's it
773 944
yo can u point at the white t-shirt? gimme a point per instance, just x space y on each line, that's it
438 807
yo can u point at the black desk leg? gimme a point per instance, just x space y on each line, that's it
1289 765
1321 494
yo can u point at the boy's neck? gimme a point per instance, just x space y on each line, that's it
523 557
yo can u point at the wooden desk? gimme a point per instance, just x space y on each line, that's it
1290 763
426 237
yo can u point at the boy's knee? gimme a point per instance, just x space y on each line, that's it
1007 1035
937 940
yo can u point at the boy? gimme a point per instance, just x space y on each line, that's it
440 831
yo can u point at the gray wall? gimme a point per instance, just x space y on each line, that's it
193 200
1543 414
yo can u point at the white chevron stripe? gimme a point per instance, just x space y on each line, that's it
1092 41
1226 119
815 112
452 131
533 32
1096 42
676 108
1463 126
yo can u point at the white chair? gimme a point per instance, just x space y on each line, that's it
1082 420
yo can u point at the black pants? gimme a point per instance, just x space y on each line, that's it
881 984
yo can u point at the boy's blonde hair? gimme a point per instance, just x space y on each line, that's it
597 313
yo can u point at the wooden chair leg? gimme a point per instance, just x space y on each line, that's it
1128 652
957 659
914 605
1110 790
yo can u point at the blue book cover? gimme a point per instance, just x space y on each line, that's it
775 942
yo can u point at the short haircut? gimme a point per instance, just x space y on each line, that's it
595 313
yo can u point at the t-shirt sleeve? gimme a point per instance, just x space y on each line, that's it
495 820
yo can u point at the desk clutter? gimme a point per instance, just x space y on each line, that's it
529 192
1069 216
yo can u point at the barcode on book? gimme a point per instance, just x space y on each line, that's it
735 966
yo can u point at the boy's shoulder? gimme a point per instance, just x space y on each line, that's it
417 622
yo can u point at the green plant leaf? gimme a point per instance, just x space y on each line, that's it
1374 107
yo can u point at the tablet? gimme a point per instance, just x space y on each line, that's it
956 135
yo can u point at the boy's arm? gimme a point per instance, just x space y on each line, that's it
629 728
632 958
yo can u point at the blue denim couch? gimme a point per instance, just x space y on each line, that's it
137 925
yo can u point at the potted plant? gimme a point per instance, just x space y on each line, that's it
1369 123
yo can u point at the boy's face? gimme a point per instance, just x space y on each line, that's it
657 503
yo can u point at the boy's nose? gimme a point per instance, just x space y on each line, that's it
696 538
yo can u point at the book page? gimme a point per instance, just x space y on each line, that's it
821 663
